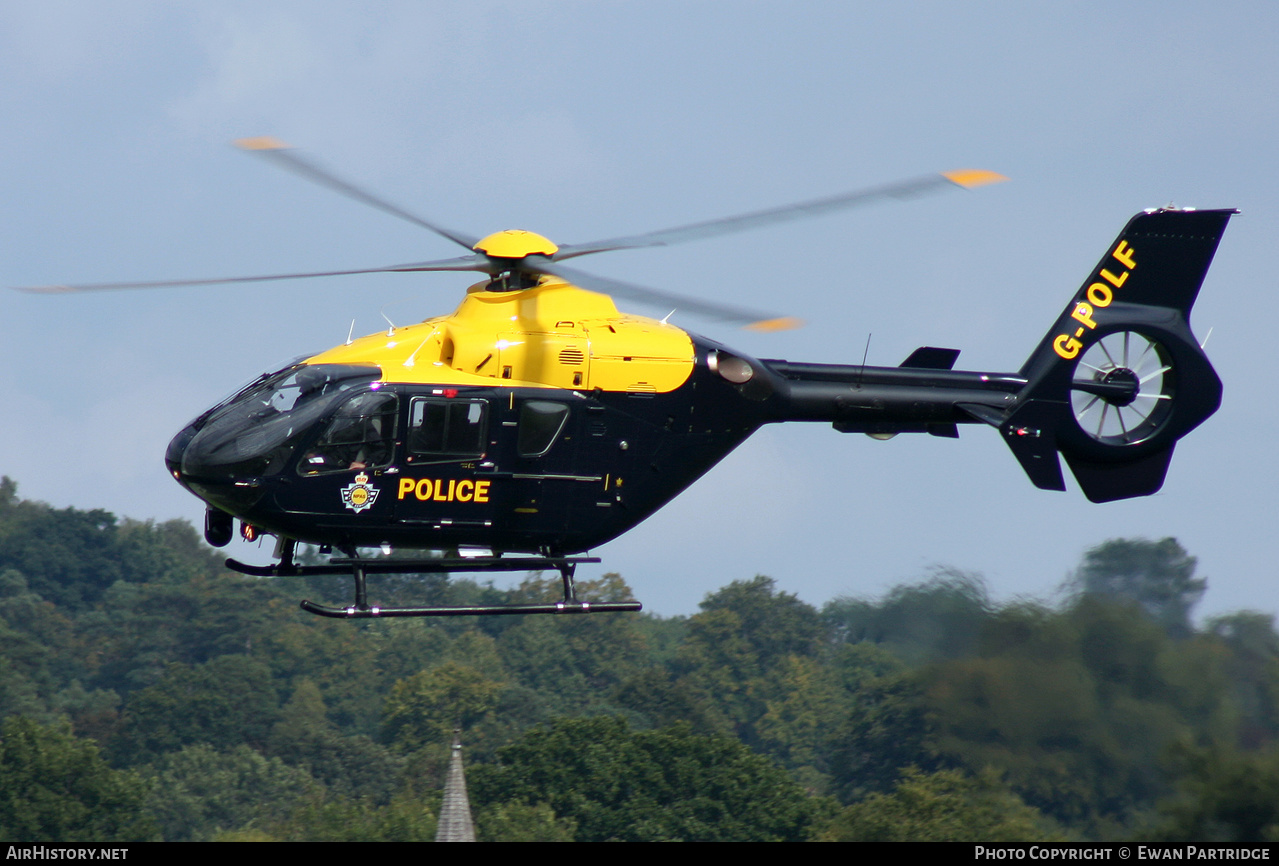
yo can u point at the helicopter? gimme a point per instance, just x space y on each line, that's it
537 421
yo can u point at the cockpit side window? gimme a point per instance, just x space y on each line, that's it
443 430
361 435
541 423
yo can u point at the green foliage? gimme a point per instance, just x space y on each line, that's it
1251 662
135 634
71 557
224 702
743 633
572 660
773 624
941 618
55 788
1159 576
348 765
301 719
661 699
353 668
68 556
891 726
29 626
1078 714
1223 798
425 708
945 806
405 819
139 629
199 791
668 785
518 822
804 706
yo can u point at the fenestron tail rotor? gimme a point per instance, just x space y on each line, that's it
1123 388
516 259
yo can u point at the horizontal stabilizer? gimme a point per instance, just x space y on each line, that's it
931 358
986 414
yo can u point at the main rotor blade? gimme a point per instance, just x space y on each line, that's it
751 319
462 263
287 157
967 178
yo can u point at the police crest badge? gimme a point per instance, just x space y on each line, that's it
359 494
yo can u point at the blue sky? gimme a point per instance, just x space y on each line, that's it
587 120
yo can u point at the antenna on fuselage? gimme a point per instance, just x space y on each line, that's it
382 312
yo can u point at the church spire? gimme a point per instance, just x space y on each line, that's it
455 814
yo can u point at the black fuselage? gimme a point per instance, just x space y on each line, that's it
545 470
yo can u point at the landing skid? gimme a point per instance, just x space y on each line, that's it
359 568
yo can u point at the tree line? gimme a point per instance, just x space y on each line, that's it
147 693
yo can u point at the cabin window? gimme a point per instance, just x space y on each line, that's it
541 423
360 436
447 429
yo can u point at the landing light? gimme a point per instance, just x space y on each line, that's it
731 368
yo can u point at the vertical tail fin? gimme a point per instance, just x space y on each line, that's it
1120 378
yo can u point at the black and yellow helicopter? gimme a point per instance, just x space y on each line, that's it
536 421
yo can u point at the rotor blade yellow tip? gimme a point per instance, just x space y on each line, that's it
263 142
768 326
969 178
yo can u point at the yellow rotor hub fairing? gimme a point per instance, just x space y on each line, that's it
515 244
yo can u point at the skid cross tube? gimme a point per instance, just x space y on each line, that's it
359 569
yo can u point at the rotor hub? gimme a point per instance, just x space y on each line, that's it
1125 379
515 244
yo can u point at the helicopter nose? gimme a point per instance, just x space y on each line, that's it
199 470
177 446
